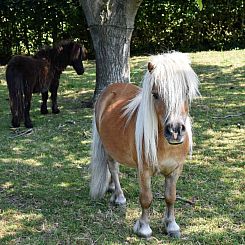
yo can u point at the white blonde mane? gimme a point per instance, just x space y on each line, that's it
176 82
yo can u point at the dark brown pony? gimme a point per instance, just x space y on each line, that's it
39 74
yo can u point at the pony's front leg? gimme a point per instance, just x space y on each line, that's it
172 228
53 89
117 196
44 109
142 227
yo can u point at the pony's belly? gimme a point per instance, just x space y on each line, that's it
119 153
40 88
116 136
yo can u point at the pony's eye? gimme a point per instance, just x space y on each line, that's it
155 95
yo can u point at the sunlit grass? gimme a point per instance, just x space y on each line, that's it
44 176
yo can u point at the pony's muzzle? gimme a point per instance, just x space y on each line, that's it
175 133
79 70
78 67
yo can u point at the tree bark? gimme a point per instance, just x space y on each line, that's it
111 23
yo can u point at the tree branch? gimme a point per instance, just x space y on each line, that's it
191 202
21 133
231 115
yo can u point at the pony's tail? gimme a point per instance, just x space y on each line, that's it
16 90
99 167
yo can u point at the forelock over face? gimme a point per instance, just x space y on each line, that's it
158 101
76 51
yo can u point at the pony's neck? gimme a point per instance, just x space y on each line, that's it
60 61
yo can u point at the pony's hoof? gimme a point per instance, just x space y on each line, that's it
172 228
174 234
142 229
118 200
55 111
44 111
29 125
121 200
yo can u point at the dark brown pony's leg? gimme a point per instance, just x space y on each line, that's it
53 89
171 226
15 118
27 107
15 121
44 109
142 227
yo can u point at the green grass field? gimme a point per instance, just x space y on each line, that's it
44 177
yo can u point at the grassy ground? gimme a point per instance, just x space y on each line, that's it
44 175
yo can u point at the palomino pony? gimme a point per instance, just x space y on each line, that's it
26 75
149 129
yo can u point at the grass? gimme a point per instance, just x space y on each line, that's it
44 194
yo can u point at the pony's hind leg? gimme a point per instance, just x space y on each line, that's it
172 228
15 122
44 109
117 195
111 186
142 227
27 107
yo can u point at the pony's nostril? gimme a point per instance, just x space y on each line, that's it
182 128
168 130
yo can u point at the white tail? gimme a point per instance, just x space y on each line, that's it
99 167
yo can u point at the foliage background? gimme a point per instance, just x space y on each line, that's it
160 25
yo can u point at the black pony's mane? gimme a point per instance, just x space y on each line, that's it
60 55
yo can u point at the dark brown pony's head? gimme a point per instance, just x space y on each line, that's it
63 54
78 54
73 53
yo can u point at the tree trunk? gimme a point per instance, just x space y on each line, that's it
111 23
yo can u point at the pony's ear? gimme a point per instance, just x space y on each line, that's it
150 67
